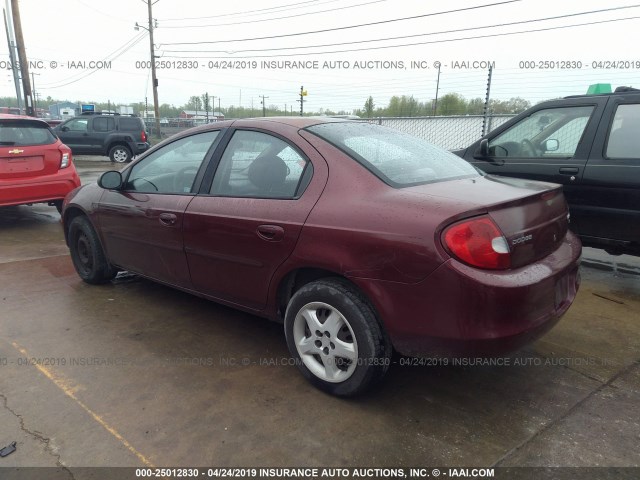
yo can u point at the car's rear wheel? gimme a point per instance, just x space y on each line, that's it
87 254
335 337
120 154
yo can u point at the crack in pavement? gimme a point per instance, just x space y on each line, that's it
38 436
572 409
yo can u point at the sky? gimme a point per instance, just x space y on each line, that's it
340 51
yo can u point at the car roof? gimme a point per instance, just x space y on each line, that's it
297 122
8 116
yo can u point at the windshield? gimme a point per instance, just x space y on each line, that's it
25 133
398 159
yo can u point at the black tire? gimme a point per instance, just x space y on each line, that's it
87 255
58 205
120 154
336 301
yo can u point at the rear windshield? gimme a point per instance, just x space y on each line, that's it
398 159
25 133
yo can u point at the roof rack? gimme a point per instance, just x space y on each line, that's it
113 114
626 90
617 91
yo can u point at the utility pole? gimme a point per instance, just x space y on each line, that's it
435 104
35 94
303 93
264 106
8 25
206 105
154 78
486 103
22 58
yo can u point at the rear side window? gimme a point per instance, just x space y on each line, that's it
398 159
259 165
104 124
624 138
131 124
25 133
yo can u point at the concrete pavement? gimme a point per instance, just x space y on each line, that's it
133 373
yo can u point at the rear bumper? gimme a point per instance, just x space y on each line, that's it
460 310
141 147
39 189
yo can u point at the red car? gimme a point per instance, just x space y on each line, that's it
35 166
360 239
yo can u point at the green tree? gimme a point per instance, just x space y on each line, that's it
452 104
369 106
194 103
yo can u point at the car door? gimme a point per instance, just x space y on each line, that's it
142 222
75 134
610 200
99 129
247 223
550 143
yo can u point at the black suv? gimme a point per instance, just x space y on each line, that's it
588 143
121 137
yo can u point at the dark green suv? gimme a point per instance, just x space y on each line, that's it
588 143
121 137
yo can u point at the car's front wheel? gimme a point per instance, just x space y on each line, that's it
87 254
120 154
335 337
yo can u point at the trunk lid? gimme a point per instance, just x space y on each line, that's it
532 216
28 148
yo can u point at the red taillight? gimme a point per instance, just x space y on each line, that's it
478 242
65 157
143 136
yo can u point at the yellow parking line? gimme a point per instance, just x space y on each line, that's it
61 384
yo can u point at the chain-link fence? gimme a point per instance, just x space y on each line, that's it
450 133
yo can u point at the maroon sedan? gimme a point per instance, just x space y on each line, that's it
360 239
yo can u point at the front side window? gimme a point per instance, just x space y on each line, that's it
172 168
25 133
259 165
554 133
77 125
396 158
624 135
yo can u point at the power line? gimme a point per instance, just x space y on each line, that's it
250 12
425 43
380 22
520 22
226 24
54 85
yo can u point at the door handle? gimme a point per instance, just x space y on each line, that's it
569 170
270 233
167 219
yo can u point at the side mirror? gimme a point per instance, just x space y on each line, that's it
111 180
551 145
64 129
484 148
